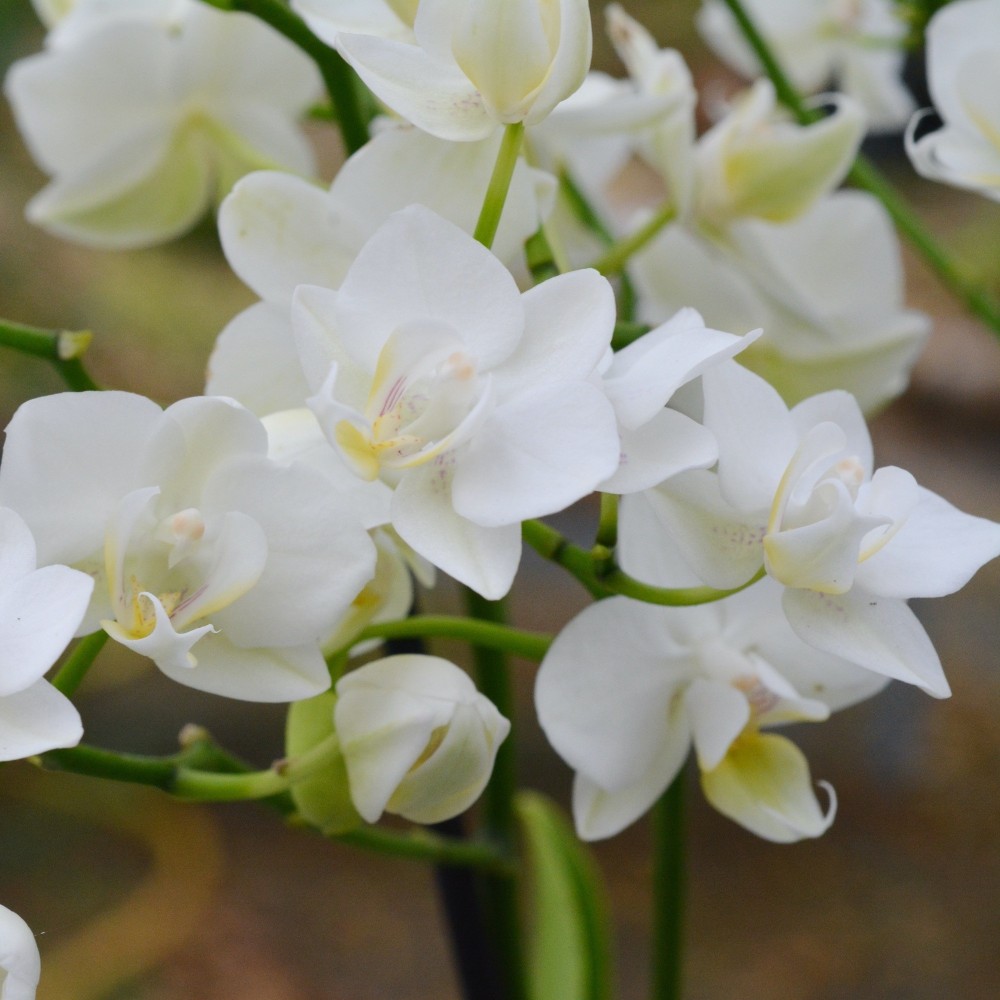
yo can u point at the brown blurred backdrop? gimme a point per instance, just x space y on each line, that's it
136 897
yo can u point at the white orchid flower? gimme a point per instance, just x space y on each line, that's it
795 492
417 737
627 688
146 114
827 289
469 65
20 963
223 567
279 231
857 44
476 404
963 48
40 610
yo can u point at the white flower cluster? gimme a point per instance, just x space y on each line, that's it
402 398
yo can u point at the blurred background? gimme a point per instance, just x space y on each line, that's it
137 897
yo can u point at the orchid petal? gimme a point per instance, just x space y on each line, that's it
718 714
881 634
721 544
753 454
255 361
607 715
599 813
279 231
667 445
71 445
763 784
439 273
317 561
646 373
934 552
536 455
266 675
39 613
568 323
435 97
36 719
484 558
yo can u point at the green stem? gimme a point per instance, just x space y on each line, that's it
549 544
203 766
619 582
499 820
496 191
607 526
177 774
337 75
613 261
74 669
541 257
588 217
603 553
867 177
603 578
484 634
421 844
668 891
62 348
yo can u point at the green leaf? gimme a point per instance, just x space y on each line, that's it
570 944
324 798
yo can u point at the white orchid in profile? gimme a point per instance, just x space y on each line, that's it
40 610
795 492
827 289
459 69
627 688
145 114
475 403
963 50
223 567
20 963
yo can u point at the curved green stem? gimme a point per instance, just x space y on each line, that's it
338 77
588 217
70 675
619 582
496 191
203 767
63 348
499 820
668 891
549 544
603 578
613 261
180 775
485 634
866 176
